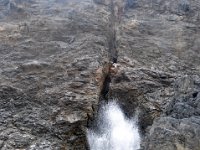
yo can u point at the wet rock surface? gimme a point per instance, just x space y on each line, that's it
50 51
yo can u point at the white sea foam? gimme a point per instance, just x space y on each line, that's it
117 132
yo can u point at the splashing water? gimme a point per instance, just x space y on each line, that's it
115 131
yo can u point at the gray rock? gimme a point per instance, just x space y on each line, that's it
50 51
46 86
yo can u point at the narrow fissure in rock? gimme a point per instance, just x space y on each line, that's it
112 49
104 86
112 57
111 37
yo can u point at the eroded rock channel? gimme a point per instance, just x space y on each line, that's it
50 52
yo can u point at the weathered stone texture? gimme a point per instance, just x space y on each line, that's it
50 50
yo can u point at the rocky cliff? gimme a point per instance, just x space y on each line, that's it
51 49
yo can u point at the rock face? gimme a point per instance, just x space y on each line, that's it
50 51
158 49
